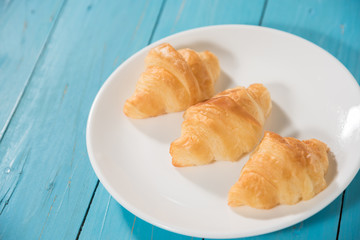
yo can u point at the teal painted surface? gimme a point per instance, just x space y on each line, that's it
46 178
184 15
350 219
108 220
24 30
106 215
332 24
54 57
319 226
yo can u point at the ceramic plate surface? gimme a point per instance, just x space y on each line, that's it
313 94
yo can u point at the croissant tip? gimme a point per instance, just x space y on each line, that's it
176 165
126 109
180 164
129 114
162 46
131 110
234 203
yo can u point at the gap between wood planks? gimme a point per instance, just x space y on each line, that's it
263 12
97 183
341 209
87 210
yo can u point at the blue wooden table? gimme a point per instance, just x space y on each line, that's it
54 57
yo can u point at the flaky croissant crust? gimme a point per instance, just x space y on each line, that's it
172 81
223 127
281 171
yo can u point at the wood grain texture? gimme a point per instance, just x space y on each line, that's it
24 29
301 230
350 218
184 15
332 25
105 215
108 220
46 177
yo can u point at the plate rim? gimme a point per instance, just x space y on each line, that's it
180 230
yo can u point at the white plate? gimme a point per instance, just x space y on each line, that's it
314 96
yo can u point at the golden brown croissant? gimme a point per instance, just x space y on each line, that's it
281 171
223 127
172 81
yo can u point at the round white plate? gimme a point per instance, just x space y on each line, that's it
314 96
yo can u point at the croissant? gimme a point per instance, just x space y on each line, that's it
281 171
223 127
172 81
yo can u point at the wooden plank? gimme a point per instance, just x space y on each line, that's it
333 26
104 216
45 175
350 218
24 30
176 16
109 220
310 228
184 15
